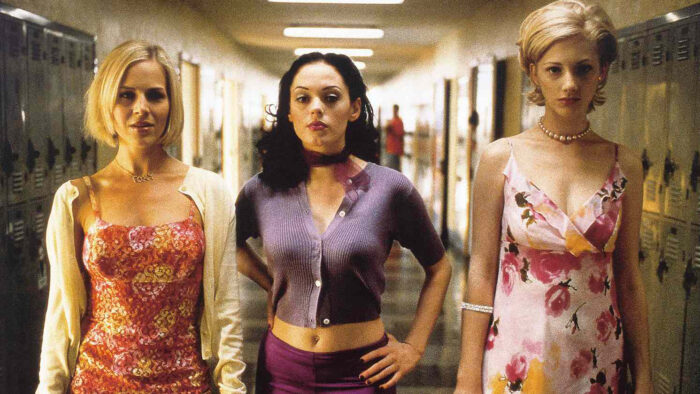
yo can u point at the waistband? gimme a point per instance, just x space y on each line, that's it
271 339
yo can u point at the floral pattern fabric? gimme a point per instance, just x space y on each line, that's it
139 333
556 325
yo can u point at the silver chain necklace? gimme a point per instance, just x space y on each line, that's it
562 138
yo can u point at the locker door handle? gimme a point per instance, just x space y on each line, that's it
689 279
52 152
670 167
69 151
84 149
32 155
695 172
646 163
8 159
661 269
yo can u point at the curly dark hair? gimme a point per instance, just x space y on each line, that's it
281 150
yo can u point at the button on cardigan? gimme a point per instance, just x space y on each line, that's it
336 277
220 324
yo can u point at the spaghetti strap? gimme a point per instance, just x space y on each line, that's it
193 209
616 149
91 193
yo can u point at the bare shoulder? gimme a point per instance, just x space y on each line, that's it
630 163
495 155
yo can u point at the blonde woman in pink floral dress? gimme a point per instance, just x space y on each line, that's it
554 291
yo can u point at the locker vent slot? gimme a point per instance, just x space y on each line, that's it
672 251
675 196
17 182
635 60
650 190
36 50
647 238
55 52
57 174
14 46
16 231
696 256
39 222
683 49
74 169
657 54
663 384
39 177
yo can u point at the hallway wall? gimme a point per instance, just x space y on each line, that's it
175 26
492 30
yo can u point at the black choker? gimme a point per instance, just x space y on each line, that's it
316 159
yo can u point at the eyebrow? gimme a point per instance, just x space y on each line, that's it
151 88
326 88
579 62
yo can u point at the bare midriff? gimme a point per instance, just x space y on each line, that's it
329 339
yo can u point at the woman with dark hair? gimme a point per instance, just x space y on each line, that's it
328 215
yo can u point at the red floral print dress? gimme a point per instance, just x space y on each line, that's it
140 332
556 325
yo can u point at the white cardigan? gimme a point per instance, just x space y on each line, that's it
220 326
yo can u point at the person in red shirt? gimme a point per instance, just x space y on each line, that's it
394 141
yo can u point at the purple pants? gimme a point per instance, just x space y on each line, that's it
286 369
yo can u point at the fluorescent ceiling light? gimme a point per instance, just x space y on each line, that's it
360 65
333 32
351 52
340 1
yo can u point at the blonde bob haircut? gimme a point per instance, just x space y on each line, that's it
102 95
560 20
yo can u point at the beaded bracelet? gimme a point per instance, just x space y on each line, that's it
477 308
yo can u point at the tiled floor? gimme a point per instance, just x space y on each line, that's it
435 373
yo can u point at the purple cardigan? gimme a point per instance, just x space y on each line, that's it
336 277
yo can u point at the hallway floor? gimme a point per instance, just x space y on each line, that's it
436 372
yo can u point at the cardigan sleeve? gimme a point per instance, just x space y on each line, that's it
67 297
229 367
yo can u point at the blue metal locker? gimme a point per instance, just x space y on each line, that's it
36 114
15 92
54 106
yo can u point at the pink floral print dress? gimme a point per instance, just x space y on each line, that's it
556 326
140 333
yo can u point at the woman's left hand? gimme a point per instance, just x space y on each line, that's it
397 358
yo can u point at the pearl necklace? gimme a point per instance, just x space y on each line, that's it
562 138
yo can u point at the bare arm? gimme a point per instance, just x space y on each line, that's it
253 266
483 265
630 291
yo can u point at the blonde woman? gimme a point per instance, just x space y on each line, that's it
144 287
554 290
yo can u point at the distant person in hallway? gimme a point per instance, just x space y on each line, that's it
554 292
144 287
394 140
328 216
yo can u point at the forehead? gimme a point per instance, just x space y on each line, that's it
571 49
318 75
145 72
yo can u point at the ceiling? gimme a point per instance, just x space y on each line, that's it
411 29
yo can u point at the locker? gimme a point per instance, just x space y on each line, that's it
667 301
15 92
54 114
690 379
632 93
649 247
37 141
693 204
605 120
682 91
88 150
656 120
72 107
15 243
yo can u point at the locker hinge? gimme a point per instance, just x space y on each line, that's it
661 269
84 150
32 155
52 153
646 163
8 159
695 172
689 278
